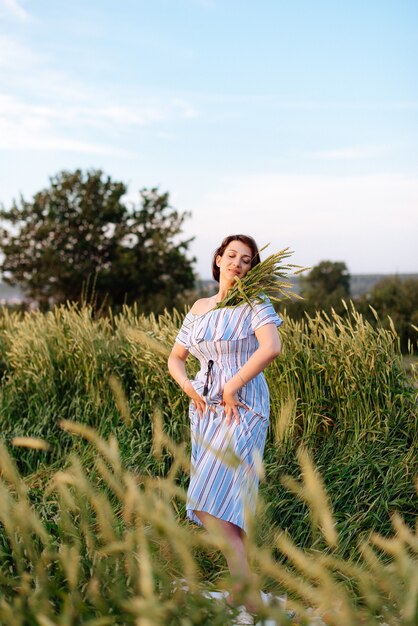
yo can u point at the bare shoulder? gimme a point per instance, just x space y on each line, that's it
203 305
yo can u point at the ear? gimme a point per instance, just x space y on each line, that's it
218 260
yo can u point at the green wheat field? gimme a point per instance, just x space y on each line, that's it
94 462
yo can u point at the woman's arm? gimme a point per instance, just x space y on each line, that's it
269 348
177 368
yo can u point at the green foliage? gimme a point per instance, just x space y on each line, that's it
396 299
325 279
102 546
78 234
101 543
99 546
392 301
322 289
339 388
344 375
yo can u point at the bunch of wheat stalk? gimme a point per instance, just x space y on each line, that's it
268 278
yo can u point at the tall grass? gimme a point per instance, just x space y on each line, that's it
340 375
101 545
345 376
338 389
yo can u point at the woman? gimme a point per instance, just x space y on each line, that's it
229 409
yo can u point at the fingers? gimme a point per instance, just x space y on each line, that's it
198 402
232 413
231 406
233 417
200 406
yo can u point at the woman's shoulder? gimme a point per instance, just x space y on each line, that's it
202 306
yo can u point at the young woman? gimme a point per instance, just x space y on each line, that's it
229 409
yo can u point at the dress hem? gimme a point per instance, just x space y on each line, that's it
193 517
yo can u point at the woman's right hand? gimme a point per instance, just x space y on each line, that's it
198 401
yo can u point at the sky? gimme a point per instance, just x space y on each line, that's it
295 121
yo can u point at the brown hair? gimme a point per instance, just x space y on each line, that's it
248 241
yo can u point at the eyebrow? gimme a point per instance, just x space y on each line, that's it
236 251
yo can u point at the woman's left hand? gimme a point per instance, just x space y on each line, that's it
231 402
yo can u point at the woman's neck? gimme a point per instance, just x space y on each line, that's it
224 287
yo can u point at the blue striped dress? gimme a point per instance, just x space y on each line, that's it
226 458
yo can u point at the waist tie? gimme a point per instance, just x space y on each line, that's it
209 377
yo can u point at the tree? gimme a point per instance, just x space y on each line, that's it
322 289
325 280
151 265
398 299
78 231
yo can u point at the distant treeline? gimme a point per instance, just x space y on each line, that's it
360 284
382 300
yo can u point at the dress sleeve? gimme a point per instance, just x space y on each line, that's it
183 337
264 313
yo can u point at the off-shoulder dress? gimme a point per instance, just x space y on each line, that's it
226 458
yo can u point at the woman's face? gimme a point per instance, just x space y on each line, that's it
235 261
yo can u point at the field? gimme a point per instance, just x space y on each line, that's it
94 465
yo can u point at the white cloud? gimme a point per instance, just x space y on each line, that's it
33 134
169 136
14 8
56 125
37 94
14 56
24 127
140 112
185 108
127 115
369 221
344 154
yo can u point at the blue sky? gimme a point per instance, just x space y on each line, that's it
295 121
